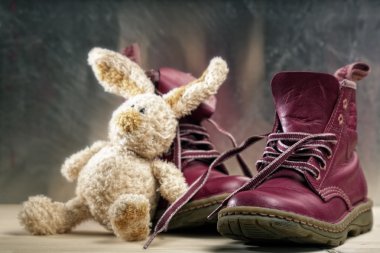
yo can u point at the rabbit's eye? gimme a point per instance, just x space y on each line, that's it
142 110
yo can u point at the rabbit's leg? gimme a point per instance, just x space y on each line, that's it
130 217
41 216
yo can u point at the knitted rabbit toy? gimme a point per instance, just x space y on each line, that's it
119 181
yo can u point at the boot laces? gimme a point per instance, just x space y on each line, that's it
317 148
293 150
192 143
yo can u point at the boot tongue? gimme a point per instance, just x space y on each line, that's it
171 78
304 101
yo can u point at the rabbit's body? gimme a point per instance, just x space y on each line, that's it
111 173
119 180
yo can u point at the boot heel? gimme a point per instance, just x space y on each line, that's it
362 224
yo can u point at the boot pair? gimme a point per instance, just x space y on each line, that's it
310 187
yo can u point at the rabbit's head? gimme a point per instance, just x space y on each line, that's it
146 123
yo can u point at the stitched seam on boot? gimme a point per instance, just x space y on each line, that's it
331 190
332 119
329 126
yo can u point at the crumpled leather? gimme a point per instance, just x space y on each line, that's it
304 101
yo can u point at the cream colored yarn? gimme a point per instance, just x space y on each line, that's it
119 181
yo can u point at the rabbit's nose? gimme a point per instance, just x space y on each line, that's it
129 120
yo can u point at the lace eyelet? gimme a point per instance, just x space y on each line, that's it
345 103
340 119
318 177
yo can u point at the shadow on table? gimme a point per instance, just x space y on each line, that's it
82 233
205 231
238 246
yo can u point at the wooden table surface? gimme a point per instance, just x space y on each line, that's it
91 237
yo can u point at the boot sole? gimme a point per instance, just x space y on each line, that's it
194 213
264 225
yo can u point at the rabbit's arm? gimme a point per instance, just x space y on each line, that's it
73 165
172 183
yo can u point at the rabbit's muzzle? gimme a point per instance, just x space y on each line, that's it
129 120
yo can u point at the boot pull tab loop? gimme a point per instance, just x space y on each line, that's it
353 72
133 53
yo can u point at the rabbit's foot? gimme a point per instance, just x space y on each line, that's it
130 217
41 216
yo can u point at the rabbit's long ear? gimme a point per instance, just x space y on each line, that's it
117 74
185 99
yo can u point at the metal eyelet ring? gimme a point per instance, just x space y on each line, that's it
340 119
318 177
345 103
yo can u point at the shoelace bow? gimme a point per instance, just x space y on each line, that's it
192 143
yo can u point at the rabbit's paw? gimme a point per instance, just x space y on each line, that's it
41 216
130 217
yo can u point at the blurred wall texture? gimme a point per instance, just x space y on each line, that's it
51 105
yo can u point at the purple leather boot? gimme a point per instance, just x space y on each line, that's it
193 152
310 187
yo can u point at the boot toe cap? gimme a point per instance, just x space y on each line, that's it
220 185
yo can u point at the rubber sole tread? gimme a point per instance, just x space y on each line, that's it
263 225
